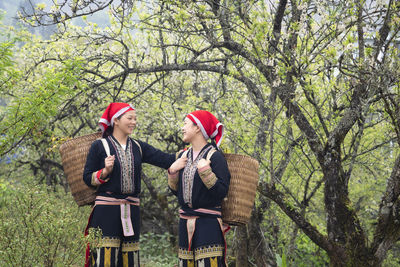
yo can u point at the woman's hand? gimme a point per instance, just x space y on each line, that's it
178 164
203 163
108 165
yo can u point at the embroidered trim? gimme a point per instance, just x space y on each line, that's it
173 182
130 246
189 173
98 176
204 168
126 159
110 242
209 252
94 179
185 254
209 179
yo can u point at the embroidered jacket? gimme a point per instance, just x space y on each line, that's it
125 177
204 188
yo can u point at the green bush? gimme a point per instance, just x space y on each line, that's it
40 227
43 227
156 251
308 254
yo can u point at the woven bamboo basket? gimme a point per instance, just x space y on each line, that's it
73 155
237 206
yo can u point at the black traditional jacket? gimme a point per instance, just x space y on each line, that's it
125 178
206 189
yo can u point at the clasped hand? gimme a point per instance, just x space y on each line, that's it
108 165
181 162
178 164
203 163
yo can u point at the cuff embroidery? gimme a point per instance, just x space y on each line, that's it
96 178
207 176
173 180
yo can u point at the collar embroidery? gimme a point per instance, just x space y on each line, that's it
126 159
189 173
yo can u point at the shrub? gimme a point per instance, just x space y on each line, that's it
156 251
40 227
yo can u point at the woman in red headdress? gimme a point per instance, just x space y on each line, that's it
200 179
116 175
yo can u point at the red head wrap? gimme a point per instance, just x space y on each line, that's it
114 110
209 125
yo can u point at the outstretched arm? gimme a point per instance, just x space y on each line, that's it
155 156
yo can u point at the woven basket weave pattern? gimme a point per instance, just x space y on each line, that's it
73 155
237 206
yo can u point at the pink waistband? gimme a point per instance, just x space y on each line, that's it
124 204
201 210
191 223
100 200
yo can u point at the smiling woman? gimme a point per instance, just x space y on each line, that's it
125 124
113 166
201 182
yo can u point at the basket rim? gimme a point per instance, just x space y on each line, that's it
243 156
76 139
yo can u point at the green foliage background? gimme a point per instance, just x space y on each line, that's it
52 91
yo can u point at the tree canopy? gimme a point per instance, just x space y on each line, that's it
308 88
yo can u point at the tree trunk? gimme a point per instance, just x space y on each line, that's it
387 232
354 261
241 246
343 225
290 254
263 255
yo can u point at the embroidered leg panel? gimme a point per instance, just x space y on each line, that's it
210 262
106 255
186 258
211 256
186 263
130 254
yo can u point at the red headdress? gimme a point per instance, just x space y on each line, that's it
114 110
209 125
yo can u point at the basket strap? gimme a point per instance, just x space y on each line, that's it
210 153
185 153
106 147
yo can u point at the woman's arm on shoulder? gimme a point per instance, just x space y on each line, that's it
173 171
155 156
